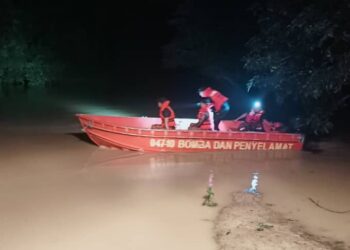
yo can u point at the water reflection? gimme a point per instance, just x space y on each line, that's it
222 157
102 158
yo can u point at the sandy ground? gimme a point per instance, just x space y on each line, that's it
248 223
58 191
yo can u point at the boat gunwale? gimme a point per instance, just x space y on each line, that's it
296 137
191 137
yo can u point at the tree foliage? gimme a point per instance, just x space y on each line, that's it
208 39
25 60
302 54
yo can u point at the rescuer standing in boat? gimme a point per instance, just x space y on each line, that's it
205 116
253 121
220 103
166 114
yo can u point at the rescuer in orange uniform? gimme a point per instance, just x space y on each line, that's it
253 121
166 114
205 117
220 103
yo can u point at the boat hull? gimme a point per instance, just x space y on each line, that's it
132 133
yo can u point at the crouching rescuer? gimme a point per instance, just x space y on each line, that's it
253 121
220 103
166 114
205 117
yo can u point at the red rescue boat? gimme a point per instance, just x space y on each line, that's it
134 133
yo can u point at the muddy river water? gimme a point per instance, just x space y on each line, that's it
58 191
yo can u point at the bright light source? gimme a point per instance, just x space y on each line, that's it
257 104
254 184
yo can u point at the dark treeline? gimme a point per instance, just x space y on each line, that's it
43 41
40 40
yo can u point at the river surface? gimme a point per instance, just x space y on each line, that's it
59 191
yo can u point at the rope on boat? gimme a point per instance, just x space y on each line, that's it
327 209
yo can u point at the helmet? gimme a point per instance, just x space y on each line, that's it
162 99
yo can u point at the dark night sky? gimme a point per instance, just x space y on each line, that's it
122 45
124 37
117 54
127 39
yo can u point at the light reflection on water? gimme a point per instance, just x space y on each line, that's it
86 108
113 158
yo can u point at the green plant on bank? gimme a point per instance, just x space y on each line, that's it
263 226
209 198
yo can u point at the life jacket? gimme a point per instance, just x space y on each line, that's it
216 97
208 123
171 118
254 117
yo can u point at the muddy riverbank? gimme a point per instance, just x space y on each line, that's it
248 223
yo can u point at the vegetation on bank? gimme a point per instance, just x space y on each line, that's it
24 62
43 41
